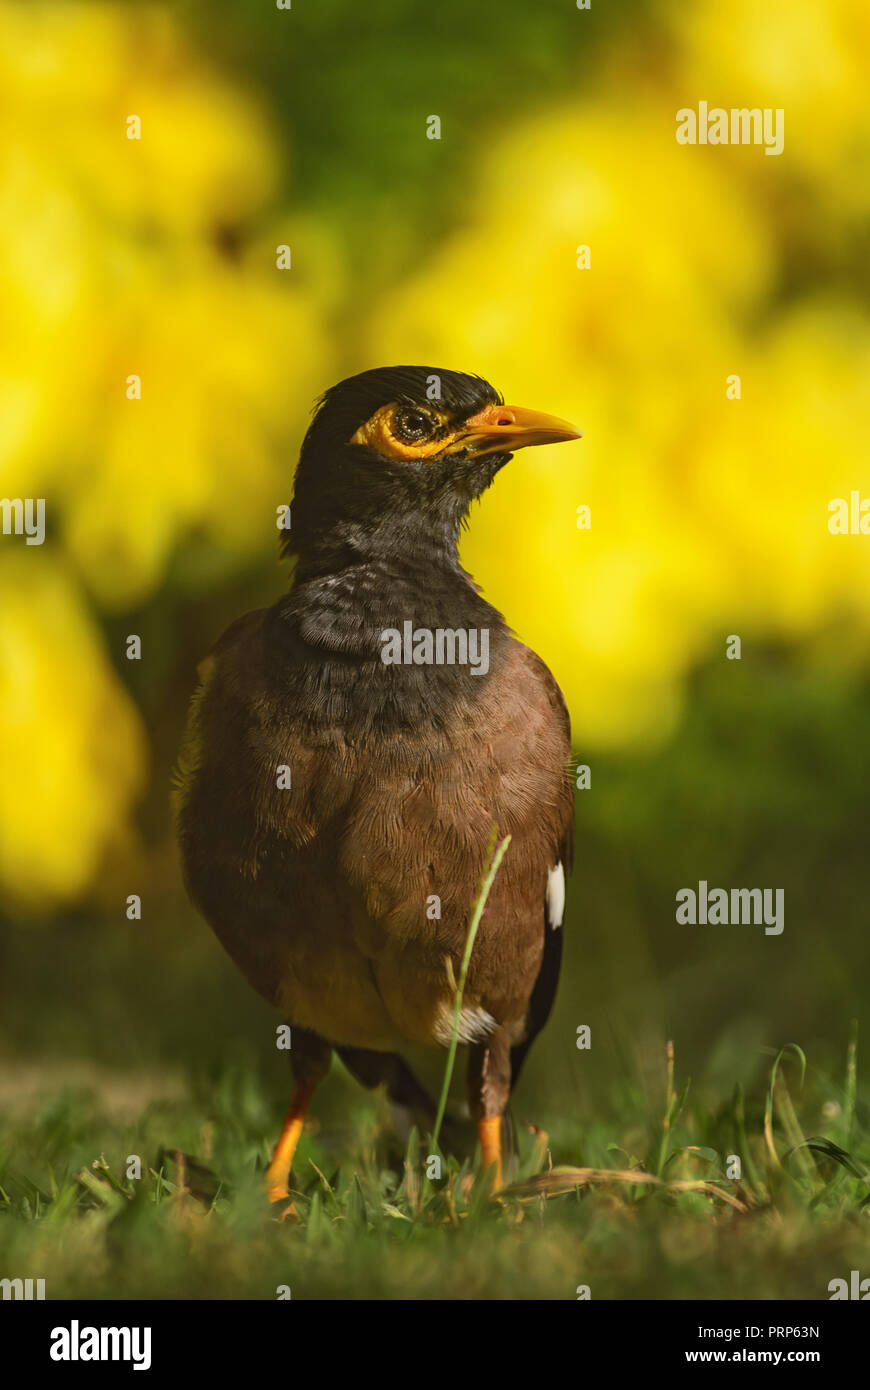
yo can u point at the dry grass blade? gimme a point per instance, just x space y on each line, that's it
771 1094
561 1180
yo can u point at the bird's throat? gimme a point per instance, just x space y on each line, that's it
392 640
350 609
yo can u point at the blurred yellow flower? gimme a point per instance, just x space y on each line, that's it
709 513
809 59
124 257
71 744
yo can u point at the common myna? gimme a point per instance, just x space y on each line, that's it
351 748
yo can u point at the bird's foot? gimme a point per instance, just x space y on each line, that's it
289 1213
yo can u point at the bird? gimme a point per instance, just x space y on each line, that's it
350 749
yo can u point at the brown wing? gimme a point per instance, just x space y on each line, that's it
546 984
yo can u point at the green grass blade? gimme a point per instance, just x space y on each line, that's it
496 854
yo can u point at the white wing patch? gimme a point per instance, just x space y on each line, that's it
555 896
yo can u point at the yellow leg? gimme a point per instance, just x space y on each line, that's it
278 1172
489 1130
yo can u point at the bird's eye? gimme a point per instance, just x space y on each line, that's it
407 433
412 426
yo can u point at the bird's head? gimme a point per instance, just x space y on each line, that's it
397 455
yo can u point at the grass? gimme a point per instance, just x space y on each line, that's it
164 1199
643 1208
641 1199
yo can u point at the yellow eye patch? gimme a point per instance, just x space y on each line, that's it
406 432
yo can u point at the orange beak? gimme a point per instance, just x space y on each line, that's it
502 428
